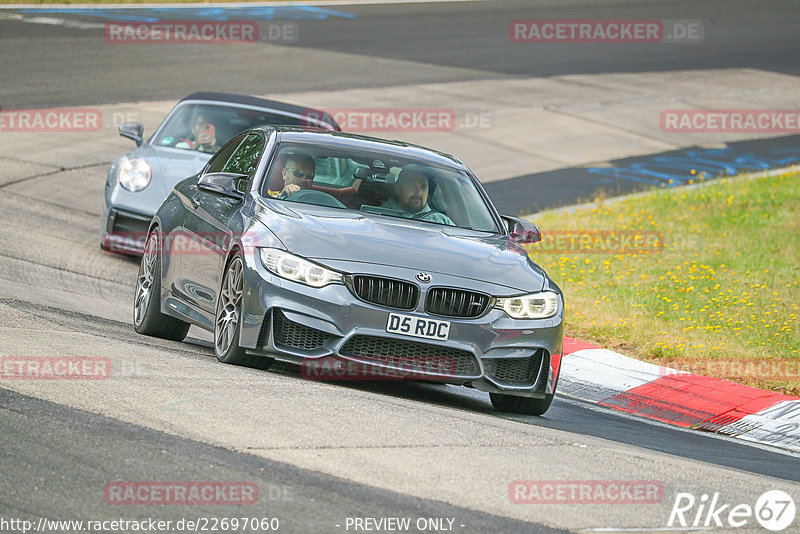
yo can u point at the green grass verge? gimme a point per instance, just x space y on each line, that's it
720 298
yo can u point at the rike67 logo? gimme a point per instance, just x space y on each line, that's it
774 510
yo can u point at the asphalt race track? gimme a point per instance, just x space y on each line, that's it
322 454
443 42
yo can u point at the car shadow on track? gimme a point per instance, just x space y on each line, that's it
582 420
444 395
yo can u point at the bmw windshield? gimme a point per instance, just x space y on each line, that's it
382 183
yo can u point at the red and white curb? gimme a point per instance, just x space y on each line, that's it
679 398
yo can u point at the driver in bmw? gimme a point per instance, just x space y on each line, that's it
298 173
411 196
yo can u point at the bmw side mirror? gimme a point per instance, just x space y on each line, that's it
132 130
223 183
521 231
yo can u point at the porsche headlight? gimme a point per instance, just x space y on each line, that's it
534 306
298 269
134 174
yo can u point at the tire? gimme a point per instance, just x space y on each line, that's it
522 405
147 316
227 320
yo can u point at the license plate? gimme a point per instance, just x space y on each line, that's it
418 327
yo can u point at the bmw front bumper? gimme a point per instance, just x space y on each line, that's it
293 322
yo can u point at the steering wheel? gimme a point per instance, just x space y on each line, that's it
311 196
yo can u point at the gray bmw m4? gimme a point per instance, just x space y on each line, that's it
355 258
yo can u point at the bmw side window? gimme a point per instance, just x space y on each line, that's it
245 159
217 163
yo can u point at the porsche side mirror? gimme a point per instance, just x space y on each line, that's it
522 231
132 130
223 183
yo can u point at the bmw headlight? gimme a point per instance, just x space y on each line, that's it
298 269
534 306
134 174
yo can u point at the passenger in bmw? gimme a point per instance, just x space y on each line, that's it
411 196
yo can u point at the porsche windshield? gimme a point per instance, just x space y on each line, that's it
378 183
206 127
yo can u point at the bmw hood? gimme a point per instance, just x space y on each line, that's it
332 237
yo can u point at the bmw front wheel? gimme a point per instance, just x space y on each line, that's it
228 319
